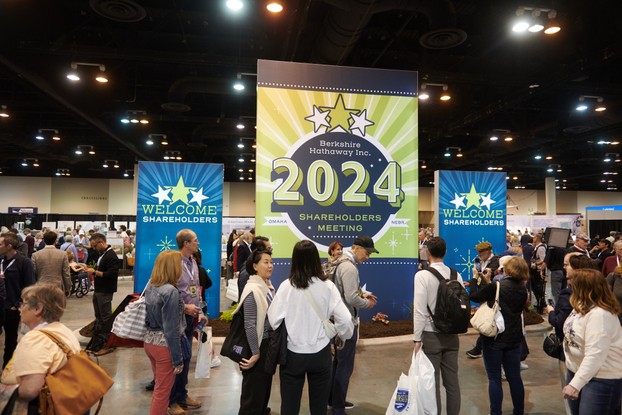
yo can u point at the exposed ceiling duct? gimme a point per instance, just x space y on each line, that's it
349 18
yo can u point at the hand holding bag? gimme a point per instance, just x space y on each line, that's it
75 387
131 323
415 393
484 319
204 354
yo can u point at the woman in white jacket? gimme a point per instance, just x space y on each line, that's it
593 346
308 345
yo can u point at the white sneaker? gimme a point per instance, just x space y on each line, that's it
215 362
523 366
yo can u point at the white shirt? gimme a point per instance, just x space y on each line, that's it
305 331
426 288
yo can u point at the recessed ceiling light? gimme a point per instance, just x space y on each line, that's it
234 5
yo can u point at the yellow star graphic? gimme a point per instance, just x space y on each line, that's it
180 191
340 115
472 197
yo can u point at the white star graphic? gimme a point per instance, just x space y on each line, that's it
487 201
360 122
318 119
162 195
198 197
458 201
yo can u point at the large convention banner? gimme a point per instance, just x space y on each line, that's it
175 196
471 207
337 158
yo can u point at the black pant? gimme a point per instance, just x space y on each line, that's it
317 368
538 285
11 326
256 386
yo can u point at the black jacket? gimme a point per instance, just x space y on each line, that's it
512 297
109 265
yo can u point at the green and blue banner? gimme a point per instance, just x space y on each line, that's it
471 208
337 158
175 196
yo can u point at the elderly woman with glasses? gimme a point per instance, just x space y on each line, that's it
36 354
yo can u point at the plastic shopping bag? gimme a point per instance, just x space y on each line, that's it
204 354
232 290
415 393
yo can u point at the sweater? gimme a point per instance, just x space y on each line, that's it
593 346
259 290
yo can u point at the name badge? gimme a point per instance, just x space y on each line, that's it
193 290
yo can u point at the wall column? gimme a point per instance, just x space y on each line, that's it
550 196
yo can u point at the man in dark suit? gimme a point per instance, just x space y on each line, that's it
244 250
106 274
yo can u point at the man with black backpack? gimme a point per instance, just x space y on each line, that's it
441 311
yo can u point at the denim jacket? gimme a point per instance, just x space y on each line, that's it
165 313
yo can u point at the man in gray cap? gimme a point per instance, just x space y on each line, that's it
580 244
346 278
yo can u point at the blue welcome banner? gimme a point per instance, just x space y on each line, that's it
471 208
175 196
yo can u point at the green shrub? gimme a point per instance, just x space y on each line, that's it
228 315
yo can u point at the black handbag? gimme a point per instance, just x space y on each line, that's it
552 346
235 346
277 348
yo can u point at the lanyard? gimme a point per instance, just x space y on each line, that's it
2 269
102 255
190 272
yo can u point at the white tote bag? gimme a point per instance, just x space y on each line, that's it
415 393
232 290
131 323
487 320
204 354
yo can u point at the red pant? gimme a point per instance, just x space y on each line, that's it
162 368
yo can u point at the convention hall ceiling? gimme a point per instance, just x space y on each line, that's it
173 63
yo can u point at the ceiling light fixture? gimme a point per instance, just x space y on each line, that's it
274 6
63 172
453 150
74 76
535 22
172 155
3 112
51 132
424 94
238 85
583 105
30 162
163 139
234 5
135 117
128 172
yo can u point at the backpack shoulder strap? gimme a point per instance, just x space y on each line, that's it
436 273
453 276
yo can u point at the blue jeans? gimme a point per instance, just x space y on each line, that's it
506 354
343 366
179 393
598 397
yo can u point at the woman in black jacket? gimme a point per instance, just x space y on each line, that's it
505 349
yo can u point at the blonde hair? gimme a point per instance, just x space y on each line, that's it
590 289
516 268
70 257
49 296
167 268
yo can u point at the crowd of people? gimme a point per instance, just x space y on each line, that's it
319 305
582 304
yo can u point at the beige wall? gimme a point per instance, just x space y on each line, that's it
118 197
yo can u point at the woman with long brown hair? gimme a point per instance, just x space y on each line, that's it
593 346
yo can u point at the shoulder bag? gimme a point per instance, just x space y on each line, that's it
277 348
235 346
552 346
75 387
131 323
329 326
484 319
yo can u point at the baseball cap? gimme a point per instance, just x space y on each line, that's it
81 232
504 260
583 236
366 242
483 246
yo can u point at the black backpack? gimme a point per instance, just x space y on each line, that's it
453 307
